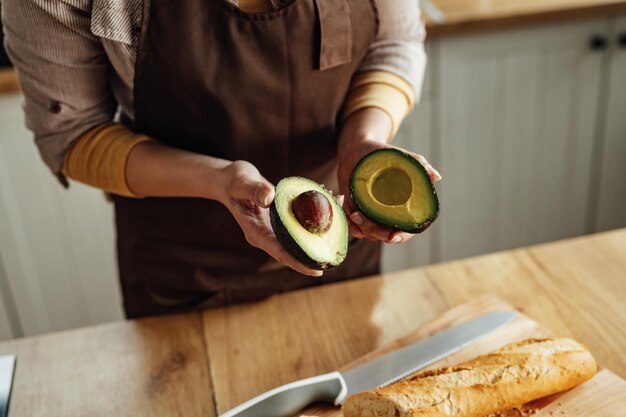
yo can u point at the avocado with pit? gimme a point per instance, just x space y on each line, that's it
309 223
393 189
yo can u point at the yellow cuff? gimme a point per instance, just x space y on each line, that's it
383 90
98 158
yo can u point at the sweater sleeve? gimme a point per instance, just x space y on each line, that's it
383 90
63 72
398 47
98 158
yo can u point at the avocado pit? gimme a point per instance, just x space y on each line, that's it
313 211
323 250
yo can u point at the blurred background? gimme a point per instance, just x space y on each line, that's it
523 112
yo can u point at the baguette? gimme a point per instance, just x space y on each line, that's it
508 377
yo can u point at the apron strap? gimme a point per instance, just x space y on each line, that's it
336 33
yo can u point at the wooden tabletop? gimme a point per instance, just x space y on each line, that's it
8 81
196 363
459 16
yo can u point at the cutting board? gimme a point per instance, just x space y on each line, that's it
602 396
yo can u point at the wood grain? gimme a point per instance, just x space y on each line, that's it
589 399
151 367
259 346
462 16
575 287
8 81
159 366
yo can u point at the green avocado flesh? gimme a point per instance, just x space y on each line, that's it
318 251
393 189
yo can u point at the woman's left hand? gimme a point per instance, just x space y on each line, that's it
351 151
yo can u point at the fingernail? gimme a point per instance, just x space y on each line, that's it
396 239
357 218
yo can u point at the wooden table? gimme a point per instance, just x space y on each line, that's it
189 365
460 16
8 81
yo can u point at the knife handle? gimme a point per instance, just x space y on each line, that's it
288 399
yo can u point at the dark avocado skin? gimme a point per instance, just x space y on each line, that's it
383 222
290 245
425 225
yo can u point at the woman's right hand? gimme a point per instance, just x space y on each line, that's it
238 185
248 195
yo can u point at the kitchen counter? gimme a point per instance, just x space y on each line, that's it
458 16
191 364
8 81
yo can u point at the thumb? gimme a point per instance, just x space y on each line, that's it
247 183
260 192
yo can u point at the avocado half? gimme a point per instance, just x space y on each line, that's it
318 251
393 189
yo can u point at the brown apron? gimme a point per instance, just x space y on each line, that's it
267 88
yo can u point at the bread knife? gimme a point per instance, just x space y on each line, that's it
7 368
335 387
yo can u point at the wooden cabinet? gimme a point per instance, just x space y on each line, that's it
610 184
518 112
57 246
6 331
9 323
527 128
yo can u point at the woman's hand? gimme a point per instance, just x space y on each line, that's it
238 185
364 132
248 195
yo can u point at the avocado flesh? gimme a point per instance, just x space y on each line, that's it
393 189
318 251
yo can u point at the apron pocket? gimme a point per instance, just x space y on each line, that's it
336 33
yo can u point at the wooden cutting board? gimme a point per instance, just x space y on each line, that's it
602 396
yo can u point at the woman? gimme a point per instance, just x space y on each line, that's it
217 101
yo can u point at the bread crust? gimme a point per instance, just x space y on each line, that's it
508 377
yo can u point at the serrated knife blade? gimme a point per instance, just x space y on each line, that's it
410 359
334 387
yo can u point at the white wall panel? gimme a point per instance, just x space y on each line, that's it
517 121
57 244
6 330
611 209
